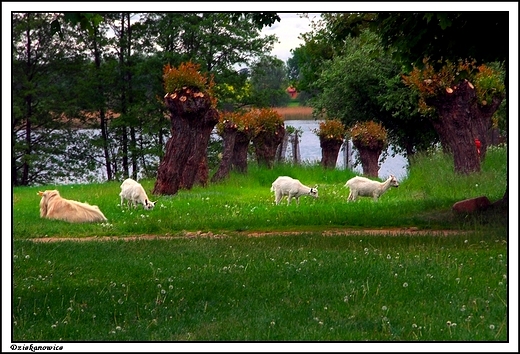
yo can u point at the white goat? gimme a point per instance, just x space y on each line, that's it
292 188
134 193
364 187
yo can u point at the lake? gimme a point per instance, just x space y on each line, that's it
310 151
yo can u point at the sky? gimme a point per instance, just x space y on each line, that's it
288 31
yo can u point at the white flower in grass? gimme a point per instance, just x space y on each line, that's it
384 308
405 285
491 327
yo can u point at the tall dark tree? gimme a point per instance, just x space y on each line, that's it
269 83
45 101
193 116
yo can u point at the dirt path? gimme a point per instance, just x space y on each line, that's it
200 234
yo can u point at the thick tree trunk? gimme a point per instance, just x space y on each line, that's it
192 120
266 144
369 157
239 158
228 137
462 119
329 152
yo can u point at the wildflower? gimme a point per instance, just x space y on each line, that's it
491 327
405 285
384 308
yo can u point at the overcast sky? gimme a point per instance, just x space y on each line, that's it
288 31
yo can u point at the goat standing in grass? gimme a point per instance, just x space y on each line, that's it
135 193
364 187
292 188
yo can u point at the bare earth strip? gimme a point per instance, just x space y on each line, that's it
199 234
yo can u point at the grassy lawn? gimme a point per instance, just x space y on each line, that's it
213 280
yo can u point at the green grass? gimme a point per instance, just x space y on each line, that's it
227 286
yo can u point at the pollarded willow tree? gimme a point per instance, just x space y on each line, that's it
269 133
331 133
193 115
465 97
370 139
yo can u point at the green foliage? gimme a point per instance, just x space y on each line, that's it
269 83
350 84
443 35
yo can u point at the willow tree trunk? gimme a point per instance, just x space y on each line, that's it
228 137
266 143
369 156
461 120
192 120
239 158
329 152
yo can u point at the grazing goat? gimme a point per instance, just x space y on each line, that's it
292 188
53 206
364 187
134 193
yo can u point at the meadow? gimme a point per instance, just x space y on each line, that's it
236 267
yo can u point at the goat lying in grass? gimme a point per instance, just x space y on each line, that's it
53 206
292 188
364 187
134 193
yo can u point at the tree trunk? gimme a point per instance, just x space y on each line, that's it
266 144
296 148
462 120
329 152
192 120
282 148
229 135
369 157
239 158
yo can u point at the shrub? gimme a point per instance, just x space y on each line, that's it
369 134
331 129
187 76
